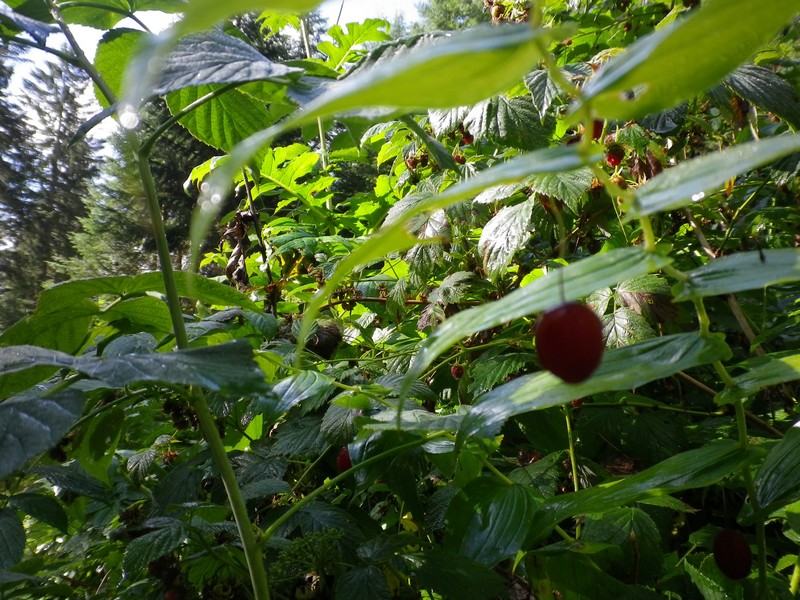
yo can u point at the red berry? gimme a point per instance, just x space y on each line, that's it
569 341
467 138
732 554
457 371
597 129
614 155
343 462
459 158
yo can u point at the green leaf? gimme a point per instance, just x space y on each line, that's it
703 47
505 234
485 521
223 121
302 386
454 575
346 44
12 538
762 372
739 272
543 90
768 91
190 285
146 313
691 181
149 547
568 186
14 22
99 443
212 57
42 508
74 479
776 481
227 367
30 425
624 327
363 582
572 282
695 468
491 368
509 121
621 369
635 533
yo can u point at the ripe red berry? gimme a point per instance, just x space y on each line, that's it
343 462
457 371
732 554
614 155
467 138
569 341
459 158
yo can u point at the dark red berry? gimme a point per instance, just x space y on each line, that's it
459 158
457 371
597 129
569 341
467 138
614 155
732 554
343 462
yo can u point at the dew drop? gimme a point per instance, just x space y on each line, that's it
697 197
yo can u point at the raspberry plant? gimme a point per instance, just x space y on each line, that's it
408 208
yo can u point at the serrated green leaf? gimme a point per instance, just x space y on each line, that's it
635 533
363 582
509 121
42 508
700 467
543 90
146 312
30 425
572 282
762 372
303 386
262 488
201 14
624 327
768 91
503 236
621 369
12 538
484 522
454 575
114 52
739 272
227 367
568 186
99 443
345 45
488 370
149 547
222 122
74 479
692 180
697 47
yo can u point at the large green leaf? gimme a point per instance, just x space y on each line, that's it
696 468
575 281
454 575
212 57
363 582
12 538
114 52
43 508
228 367
223 121
31 424
741 271
509 121
13 22
761 372
768 91
190 285
692 180
685 58
776 481
104 14
484 522
621 369
202 14
150 546
505 234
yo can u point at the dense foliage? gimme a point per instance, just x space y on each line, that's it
349 402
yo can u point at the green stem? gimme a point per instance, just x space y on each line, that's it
330 483
255 563
794 585
573 462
